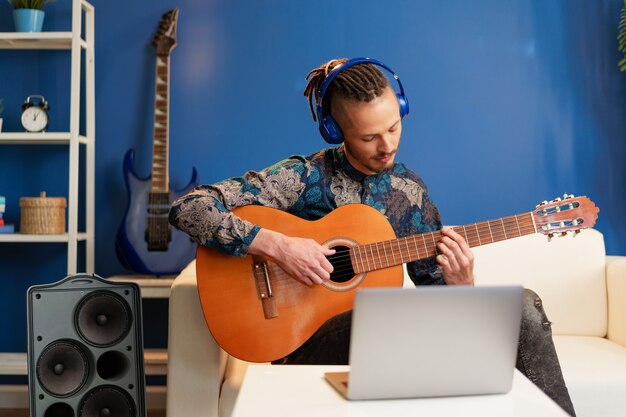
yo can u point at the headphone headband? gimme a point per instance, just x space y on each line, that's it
329 129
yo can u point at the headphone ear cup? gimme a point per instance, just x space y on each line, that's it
330 131
404 105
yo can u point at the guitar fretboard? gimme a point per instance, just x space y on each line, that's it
160 145
374 256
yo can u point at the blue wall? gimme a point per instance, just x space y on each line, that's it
511 103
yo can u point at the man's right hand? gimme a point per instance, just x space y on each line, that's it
303 259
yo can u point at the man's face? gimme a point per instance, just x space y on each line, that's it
371 130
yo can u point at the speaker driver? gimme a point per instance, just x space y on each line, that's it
62 368
107 401
103 318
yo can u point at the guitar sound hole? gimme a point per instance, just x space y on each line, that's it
342 265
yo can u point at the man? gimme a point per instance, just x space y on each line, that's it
355 106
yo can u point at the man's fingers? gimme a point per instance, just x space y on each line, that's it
457 244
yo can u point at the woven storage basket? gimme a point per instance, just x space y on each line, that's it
42 215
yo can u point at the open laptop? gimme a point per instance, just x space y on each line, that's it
431 342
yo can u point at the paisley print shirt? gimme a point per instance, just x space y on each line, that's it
309 187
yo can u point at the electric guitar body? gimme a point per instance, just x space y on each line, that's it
132 244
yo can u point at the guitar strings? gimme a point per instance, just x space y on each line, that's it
342 262
370 256
157 202
491 231
475 234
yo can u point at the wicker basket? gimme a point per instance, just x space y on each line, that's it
42 215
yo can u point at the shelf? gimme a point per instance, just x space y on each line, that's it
25 238
155 362
13 364
46 138
151 286
38 40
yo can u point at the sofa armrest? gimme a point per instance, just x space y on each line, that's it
196 364
616 289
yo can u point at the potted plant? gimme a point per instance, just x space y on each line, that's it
27 14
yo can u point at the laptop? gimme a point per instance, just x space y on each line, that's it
431 342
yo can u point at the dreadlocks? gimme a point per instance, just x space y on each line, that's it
362 82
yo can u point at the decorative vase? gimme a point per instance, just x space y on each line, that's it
28 20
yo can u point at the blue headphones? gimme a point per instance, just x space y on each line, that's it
329 129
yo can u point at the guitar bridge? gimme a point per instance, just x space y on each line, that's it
264 287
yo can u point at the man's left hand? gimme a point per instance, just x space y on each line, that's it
456 258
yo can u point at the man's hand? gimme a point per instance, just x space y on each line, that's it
455 258
303 259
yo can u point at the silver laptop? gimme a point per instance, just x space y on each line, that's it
431 342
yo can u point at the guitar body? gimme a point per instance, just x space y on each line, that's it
131 245
231 298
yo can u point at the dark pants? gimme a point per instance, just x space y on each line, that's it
536 356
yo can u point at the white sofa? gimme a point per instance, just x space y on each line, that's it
584 294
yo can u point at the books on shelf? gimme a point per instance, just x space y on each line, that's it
7 228
4 228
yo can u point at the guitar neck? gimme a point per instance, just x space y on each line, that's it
379 255
160 146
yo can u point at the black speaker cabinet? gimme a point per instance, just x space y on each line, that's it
85 349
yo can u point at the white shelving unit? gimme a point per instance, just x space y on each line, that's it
80 47
80 43
16 396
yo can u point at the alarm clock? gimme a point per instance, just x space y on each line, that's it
35 114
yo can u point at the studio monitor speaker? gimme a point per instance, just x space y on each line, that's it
85 349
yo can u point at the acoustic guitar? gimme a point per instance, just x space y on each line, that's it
146 243
258 313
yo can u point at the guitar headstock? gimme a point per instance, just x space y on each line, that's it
165 38
566 214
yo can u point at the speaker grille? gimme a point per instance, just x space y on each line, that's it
103 318
59 410
62 368
107 401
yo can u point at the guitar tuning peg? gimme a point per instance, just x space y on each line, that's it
563 233
556 200
566 196
543 203
550 236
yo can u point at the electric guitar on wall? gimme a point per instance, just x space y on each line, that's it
146 243
258 313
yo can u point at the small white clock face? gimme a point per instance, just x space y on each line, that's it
34 119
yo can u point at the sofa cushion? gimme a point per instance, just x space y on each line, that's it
575 301
233 378
595 371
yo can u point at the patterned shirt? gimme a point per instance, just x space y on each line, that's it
309 187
